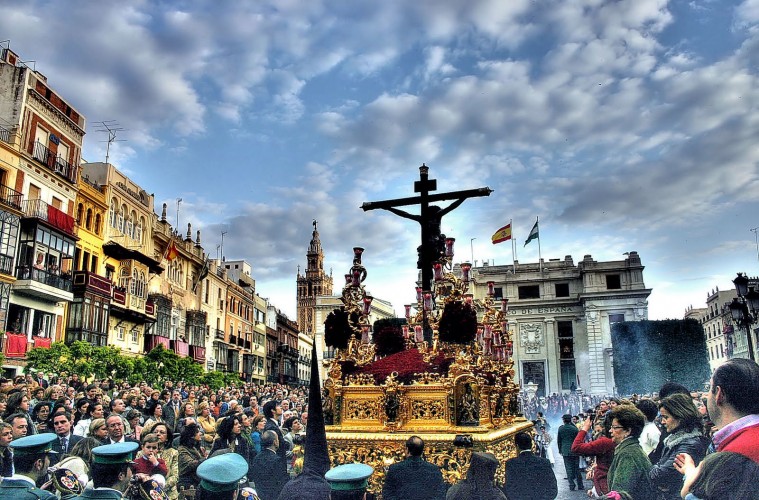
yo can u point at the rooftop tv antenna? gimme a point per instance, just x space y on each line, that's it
110 126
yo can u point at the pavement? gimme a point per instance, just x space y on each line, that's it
558 469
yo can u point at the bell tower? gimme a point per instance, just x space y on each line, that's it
314 283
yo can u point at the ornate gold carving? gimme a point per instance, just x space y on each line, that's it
382 451
361 410
360 379
427 378
428 409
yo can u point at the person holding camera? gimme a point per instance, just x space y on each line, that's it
602 448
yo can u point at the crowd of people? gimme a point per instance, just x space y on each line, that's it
179 438
674 444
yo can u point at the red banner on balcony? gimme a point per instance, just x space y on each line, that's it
43 342
198 353
181 348
151 341
15 345
59 219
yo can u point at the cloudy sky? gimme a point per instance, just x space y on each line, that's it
625 125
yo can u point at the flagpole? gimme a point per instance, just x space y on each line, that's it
540 256
513 253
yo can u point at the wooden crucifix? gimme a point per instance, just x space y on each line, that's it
429 217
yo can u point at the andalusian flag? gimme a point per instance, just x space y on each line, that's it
503 234
533 233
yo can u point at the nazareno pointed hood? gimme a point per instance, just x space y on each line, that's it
310 484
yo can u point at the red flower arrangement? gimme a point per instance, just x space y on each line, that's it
406 364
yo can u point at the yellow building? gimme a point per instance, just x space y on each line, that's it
181 324
88 314
130 259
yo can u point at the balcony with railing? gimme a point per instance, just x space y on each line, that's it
57 218
57 164
86 281
10 197
52 278
218 334
5 135
6 264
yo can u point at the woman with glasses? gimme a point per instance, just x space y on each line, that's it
628 472
684 425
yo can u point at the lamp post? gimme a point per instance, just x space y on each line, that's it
745 309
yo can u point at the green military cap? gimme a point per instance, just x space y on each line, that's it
349 476
117 453
32 445
222 472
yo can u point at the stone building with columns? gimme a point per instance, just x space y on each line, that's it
560 316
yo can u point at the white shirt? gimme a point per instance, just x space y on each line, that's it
649 438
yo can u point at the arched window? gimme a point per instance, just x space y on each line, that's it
130 224
88 220
96 229
122 217
124 277
79 212
138 283
113 214
138 229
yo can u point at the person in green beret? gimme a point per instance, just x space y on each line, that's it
349 481
30 461
111 471
220 477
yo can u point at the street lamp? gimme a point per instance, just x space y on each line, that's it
745 309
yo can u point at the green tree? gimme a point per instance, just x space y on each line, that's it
649 353
55 359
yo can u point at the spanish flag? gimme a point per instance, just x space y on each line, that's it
502 234
172 252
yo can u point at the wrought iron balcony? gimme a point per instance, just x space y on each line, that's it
59 219
5 135
55 163
10 197
6 264
55 279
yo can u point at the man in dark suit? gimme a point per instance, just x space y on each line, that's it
115 427
528 476
172 409
66 439
41 380
414 478
565 437
268 472
273 413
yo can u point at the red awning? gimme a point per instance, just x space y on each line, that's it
15 345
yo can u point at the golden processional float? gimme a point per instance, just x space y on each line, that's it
453 388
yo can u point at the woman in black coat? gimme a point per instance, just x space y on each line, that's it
683 423
229 436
